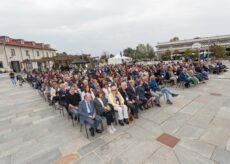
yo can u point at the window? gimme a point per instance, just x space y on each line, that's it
47 54
27 53
37 53
12 52
1 65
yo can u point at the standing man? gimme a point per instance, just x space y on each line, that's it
88 114
12 78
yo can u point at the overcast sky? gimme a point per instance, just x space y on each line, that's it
94 26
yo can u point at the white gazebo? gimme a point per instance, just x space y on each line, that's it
118 59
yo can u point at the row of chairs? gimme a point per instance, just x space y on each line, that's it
168 83
61 106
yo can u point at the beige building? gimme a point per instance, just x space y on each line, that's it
18 54
200 44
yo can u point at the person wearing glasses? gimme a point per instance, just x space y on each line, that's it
117 101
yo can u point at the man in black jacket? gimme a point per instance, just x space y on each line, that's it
148 93
72 100
129 101
131 91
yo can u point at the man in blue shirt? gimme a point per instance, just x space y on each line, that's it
155 88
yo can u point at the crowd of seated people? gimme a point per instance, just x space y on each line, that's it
217 67
120 89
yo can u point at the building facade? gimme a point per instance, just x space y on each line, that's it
199 44
18 54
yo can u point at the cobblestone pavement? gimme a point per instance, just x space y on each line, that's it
33 132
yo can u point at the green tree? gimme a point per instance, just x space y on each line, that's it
188 53
174 39
217 51
166 55
104 57
129 52
111 55
86 57
191 54
56 65
141 51
150 51
176 52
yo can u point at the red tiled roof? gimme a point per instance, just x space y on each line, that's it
26 44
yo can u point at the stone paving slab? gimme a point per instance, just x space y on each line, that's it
221 156
91 158
198 146
91 146
140 152
163 155
186 156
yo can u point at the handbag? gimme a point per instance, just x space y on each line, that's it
130 117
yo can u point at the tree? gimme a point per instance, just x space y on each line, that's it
150 51
141 51
56 65
191 54
188 53
176 52
174 39
61 53
166 55
86 57
104 57
111 55
129 52
217 51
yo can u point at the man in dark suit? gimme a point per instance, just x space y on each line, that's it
129 101
131 91
88 114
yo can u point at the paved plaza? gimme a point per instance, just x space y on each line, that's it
31 131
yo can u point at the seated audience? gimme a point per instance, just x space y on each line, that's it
87 113
87 89
128 100
154 86
117 101
185 78
148 94
72 101
140 91
103 109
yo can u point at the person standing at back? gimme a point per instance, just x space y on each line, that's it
12 78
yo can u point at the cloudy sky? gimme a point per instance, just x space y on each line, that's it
94 26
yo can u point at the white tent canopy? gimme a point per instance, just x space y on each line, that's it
118 59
